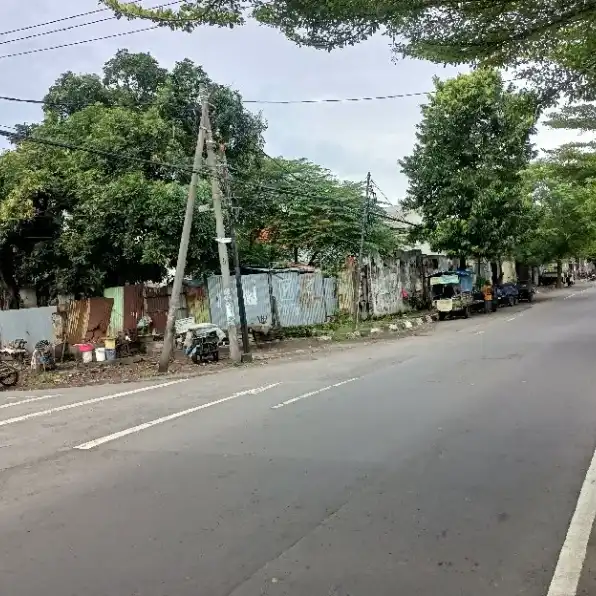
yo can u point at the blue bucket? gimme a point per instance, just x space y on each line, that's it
110 354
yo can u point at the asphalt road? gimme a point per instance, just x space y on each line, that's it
445 464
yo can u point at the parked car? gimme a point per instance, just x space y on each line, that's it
507 294
526 291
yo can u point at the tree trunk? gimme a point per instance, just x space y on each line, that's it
295 254
462 262
559 273
7 278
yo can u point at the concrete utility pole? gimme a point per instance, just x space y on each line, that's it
363 226
168 344
222 242
246 355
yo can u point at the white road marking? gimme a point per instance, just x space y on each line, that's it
512 319
146 425
311 393
570 296
28 400
479 333
571 558
87 402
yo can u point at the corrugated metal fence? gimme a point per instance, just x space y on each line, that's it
289 298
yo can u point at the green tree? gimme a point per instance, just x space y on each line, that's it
565 216
109 210
465 171
551 40
574 162
306 213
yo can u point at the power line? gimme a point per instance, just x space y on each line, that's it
248 101
77 43
44 33
381 191
70 27
60 20
337 100
15 136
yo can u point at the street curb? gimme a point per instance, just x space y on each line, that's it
395 326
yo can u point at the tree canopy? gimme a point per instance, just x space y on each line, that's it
307 214
465 171
562 188
93 195
564 216
551 41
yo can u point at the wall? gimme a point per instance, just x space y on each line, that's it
345 287
30 324
387 279
300 298
385 286
508 269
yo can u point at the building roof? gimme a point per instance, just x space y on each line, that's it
408 218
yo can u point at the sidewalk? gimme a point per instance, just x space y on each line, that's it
144 367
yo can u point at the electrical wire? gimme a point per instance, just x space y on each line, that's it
336 100
77 43
70 27
246 101
18 137
53 22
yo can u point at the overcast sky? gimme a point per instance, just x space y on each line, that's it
348 138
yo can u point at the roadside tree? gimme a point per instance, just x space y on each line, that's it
465 172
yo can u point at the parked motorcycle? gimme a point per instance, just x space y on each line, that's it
9 375
201 344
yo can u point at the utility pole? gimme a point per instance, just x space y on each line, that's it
246 355
222 242
363 226
169 336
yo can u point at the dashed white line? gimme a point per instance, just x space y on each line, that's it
29 400
87 402
311 393
146 425
512 319
572 556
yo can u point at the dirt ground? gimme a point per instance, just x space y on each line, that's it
73 374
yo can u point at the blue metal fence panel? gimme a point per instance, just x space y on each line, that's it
300 298
256 299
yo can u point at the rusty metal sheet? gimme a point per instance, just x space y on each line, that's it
158 304
88 320
77 316
134 305
100 311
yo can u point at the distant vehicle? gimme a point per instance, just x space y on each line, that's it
526 291
507 294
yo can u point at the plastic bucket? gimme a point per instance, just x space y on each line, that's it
110 354
87 356
85 347
100 354
110 343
